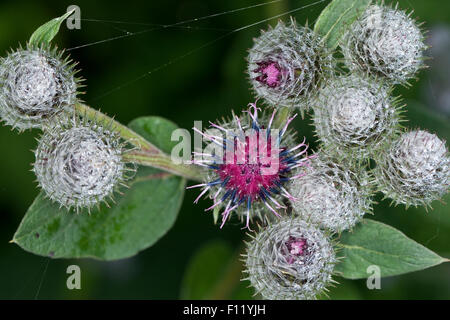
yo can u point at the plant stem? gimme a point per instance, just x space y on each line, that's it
125 132
146 154
163 162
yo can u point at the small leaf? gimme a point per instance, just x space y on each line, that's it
46 32
139 219
214 273
375 243
337 18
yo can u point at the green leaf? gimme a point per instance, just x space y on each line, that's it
336 19
46 32
156 130
375 243
214 273
139 219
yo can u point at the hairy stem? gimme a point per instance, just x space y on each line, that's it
163 162
146 154
125 132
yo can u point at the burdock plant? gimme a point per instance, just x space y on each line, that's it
414 170
290 260
286 65
36 83
355 114
80 164
331 194
385 42
249 171
307 208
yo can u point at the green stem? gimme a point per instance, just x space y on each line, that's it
125 132
146 154
163 162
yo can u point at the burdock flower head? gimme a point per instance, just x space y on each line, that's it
79 164
36 83
290 260
385 42
355 114
414 170
286 64
249 162
332 194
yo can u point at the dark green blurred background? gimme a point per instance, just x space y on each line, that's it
201 86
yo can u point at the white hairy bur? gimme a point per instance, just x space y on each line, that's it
332 194
79 165
286 64
35 84
414 170
385 42
290 260
354 115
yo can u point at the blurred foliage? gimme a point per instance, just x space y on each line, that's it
148 74
214 273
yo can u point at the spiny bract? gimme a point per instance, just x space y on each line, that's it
354 115
248 163
332 194
286 64
385 42
290 260
79 164
414 170
36 83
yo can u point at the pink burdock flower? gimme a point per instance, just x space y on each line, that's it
295 247
249 162
270 73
